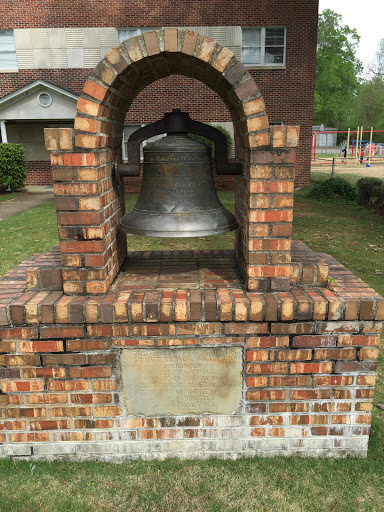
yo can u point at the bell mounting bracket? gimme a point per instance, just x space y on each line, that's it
177 122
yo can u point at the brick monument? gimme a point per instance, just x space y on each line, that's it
183 354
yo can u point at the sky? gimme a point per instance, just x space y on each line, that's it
366 17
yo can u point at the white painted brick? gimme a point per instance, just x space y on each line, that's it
54 449
14 450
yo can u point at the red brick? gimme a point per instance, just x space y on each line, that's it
268 341
68 385
18 333
267 368
62 331
246 328
50 424
335 353
41 346
90 372
266 394
87 345
311 367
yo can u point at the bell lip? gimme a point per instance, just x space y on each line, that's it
150 213
180 234
181 228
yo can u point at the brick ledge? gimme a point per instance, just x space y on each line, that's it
348 298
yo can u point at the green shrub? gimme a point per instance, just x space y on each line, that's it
12 165
334 188
211 143
371 192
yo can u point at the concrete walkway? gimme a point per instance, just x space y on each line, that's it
35 196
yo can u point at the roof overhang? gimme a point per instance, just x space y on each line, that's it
26 103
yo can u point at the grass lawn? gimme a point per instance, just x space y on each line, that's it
319 176
356 238
35 231
10 195
31 232
247 485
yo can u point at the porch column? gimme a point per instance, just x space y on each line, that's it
3 132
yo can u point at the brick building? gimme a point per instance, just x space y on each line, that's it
47 53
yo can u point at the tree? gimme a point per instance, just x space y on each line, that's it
337 71
376 68
369 109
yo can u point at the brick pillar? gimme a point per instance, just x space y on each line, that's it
88 208
264 205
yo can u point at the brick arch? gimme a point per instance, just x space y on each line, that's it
92 248
137 62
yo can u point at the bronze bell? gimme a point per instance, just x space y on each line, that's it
177 196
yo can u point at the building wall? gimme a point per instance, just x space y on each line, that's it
288 92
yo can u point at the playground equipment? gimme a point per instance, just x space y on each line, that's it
354 141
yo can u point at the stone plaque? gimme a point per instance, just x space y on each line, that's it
182 381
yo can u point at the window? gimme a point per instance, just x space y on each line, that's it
126 33
7 51
127 132
44 99
263 46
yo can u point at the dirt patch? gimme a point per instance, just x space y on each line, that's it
376 170
301 210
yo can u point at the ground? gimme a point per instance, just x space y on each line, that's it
324 165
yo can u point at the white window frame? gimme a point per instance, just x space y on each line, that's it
124 141
262 63
127 32
10 49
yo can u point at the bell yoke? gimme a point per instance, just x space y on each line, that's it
177 196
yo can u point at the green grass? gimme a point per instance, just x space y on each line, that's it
35 231
248 485
353 235
10 195
31 232
356 238
319 176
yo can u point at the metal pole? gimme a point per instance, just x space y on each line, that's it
353 143
313 140
349 134
333 167
370 148
357 145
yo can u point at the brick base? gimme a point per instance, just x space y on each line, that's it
309 363
120 448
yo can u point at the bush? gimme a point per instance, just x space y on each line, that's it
211 143
334 188
12 165
371 192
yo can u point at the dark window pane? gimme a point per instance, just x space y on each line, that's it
274 55
274 36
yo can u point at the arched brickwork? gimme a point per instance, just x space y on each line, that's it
89 204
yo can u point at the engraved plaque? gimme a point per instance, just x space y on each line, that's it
182 381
